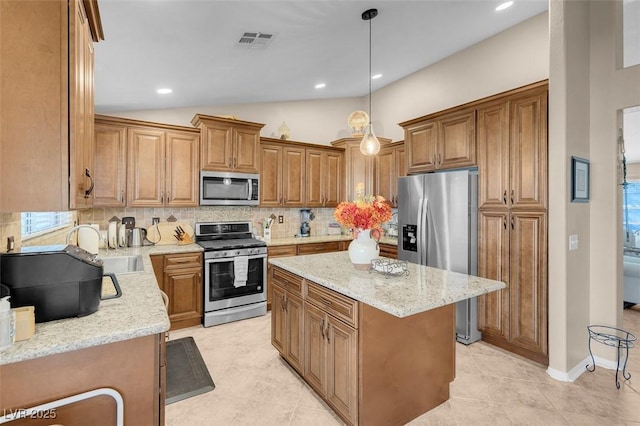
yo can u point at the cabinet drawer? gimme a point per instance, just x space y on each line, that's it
281 251
312 248
183 260
389 250
287 280
341 307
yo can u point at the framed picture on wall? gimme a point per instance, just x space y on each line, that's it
579 180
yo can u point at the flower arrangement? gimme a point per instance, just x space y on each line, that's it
365 212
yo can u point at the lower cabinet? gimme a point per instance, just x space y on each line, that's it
287 318
135 368
180 277
331 362
388 250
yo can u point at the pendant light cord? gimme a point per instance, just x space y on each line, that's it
370 114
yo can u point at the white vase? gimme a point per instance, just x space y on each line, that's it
363 249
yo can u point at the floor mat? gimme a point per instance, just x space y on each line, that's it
187 374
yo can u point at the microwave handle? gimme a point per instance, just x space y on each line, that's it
250 189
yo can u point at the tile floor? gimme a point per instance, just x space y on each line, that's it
493 387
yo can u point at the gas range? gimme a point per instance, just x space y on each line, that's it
228 239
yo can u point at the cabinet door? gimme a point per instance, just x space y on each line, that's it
184 288
182 173
313 167
457 140
110 165
529 151
295 332
420 142
333 178
246 150
528 283
493 156
342 368
145 170
493 263
384 174
358 169
278 320
217 147
271 176
315 348
293 176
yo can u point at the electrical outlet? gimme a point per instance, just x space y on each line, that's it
155 220
280 219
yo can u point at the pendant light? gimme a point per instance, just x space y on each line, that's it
370 145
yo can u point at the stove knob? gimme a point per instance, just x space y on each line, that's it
250 251
237 252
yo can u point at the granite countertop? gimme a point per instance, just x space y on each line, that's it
322 239
424 288
138 312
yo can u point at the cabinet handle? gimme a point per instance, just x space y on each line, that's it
325 301
184 260
88 192
433 159
512 225
327 333
504 222
504 197
282 304
235 162
322 328
168 196
439 159
162 197
230 163
512 196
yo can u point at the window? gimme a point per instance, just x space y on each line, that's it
631 32
38 223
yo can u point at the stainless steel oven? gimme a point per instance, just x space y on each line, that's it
235 272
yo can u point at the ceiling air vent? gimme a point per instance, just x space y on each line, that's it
255 40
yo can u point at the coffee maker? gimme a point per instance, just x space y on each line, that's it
306 216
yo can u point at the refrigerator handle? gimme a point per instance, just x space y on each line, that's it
424 231
419 224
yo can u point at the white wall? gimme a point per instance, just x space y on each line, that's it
510 59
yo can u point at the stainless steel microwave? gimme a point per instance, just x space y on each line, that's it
229 189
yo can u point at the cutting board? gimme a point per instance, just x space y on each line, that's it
164 233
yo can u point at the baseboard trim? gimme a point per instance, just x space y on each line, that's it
573 374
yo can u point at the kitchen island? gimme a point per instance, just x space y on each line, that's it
120 346
379 349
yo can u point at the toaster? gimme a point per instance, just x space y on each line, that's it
59 281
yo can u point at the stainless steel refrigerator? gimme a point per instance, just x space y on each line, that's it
438 227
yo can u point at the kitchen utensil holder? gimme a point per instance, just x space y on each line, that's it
620 339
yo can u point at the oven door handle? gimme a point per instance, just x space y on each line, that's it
230 259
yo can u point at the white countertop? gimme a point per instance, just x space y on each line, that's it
424 288
138 312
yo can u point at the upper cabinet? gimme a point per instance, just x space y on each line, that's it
512 151
358 168
144 164
390 164
297 174
46 107
441 141
228 145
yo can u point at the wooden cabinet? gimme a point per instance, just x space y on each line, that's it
297 174
331 359
228 145
276 251
315 248
110 165
441 141
180 277
46 107
282 176
358 168
388 250
512 151
132 367
144 164
287 317
512 226
390 164
324 177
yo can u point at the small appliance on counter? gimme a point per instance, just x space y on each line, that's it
59 281
306 216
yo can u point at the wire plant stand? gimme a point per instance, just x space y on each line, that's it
620 339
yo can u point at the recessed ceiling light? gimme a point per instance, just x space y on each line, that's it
376 76
320 86
504 5
164 91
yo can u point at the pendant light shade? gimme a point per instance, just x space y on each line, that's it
370 145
